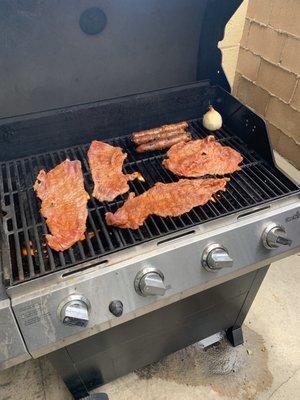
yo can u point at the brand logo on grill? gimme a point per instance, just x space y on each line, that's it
293 217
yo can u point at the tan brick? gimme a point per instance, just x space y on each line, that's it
248 64
284 117
260 10
234 27
289 149
245 33
290 57
236 83
285 15
274 134
265 42
276 80
229 61
296 97
253 96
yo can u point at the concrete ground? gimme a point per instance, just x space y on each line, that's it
266 367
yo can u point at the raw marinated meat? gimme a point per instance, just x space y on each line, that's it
106 163
64 203
165 199
201 157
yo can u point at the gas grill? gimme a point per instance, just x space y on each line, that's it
120 299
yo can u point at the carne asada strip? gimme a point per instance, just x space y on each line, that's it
201 157
165 200
106 164
64 203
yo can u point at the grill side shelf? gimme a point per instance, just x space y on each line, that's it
25 254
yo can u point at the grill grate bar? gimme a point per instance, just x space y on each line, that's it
24 225
248 189
241 191
272 177
15 226
256 183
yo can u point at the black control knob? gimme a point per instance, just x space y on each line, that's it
116 308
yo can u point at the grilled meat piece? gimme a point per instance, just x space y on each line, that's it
165 200
64 203
200 157
164 143
106 163
150 134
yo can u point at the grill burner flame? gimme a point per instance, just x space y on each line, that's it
33 251
90 235
140 177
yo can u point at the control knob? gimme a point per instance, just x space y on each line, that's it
150 281
74 310
215 257
274 236
116 308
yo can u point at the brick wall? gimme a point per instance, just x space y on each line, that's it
268 70
231 42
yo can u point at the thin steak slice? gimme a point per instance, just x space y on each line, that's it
165 200
201 157
106 166
64 203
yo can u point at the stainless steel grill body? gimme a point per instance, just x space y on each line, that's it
35 303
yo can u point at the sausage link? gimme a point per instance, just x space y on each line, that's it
164 128
157 136
163 143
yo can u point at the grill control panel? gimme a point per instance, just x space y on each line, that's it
151 279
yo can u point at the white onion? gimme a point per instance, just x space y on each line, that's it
212 120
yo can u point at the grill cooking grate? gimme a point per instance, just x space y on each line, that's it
27 253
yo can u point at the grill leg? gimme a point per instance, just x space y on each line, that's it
235 333
235 336
100 396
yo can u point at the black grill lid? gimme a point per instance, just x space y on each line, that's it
60 53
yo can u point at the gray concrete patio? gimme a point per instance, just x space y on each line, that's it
266 367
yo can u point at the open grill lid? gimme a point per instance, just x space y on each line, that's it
60 53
